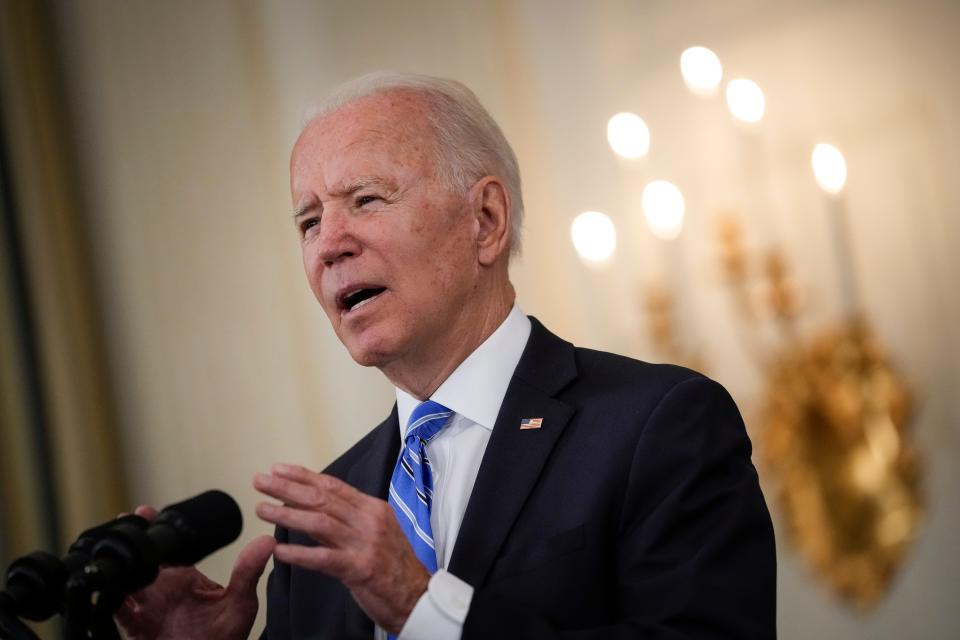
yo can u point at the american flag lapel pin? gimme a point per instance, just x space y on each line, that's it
531 423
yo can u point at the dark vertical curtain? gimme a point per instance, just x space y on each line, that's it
60 468
28 514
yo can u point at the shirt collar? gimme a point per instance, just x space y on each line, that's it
476 388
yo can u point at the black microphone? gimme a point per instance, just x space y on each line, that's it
128 557
35 583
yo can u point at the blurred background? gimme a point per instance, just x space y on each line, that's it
158 337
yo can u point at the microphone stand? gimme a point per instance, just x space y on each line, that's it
89 608
12 629
102 626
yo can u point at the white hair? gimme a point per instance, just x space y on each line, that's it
469 143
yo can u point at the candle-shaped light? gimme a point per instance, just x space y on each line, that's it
594 237
748 106
629 138
701 70
628 135
663 207
830 172
745 100
829 168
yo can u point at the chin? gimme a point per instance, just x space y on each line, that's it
368 353
367 359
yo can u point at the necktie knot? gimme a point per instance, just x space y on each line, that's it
426 421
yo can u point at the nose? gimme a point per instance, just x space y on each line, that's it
337 239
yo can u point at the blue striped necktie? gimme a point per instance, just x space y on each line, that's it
411 487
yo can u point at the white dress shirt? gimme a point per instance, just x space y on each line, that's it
474 392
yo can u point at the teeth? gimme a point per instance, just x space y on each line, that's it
346 297
363 302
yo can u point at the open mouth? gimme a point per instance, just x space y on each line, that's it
356 298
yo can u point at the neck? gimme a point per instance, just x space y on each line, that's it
422 374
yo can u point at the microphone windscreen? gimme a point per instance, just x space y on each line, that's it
79 552
206 523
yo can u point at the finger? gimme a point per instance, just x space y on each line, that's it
317 524
134 600
321 481
146 511
306 497
250 564
127 614
326 559
291 492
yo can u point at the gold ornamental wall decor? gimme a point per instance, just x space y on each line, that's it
833 435
834 432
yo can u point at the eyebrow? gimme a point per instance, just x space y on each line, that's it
341 192
357 184
306 208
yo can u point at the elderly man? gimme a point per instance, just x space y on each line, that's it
521 487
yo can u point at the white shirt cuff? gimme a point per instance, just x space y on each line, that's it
440 611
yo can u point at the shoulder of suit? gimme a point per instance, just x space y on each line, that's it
590 368
613 369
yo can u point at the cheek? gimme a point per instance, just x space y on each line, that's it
313 269
455 257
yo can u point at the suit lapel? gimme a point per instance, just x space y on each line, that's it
515 458
371 474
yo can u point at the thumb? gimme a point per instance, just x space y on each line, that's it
250 564
146 511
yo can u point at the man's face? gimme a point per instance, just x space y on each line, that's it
388 249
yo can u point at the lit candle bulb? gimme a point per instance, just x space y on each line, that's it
701 70
594 237
830 172
748 105
745 100
628 135
629 138
664 209
829 168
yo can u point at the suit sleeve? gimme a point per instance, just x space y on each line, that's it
695 549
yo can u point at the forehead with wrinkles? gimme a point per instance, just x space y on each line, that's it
391 125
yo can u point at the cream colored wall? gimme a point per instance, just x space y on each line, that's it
222 361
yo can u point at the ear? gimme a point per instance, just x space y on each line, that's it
492 211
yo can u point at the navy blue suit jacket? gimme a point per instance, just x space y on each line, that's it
633 512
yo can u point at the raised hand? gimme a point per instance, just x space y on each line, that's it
184 604
361 542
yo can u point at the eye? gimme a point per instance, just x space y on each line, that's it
366 199
307 224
